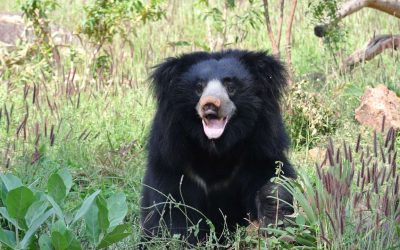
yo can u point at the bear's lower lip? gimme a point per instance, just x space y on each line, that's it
213 128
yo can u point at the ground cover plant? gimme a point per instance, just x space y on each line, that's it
75 118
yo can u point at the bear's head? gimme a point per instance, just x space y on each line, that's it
217 99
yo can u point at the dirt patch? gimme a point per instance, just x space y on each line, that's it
377 103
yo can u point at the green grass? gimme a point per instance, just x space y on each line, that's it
102 140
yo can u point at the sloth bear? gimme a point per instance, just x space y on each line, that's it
215 143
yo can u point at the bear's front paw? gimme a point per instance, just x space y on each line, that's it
273 204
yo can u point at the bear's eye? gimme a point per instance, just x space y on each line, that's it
199 88
229 85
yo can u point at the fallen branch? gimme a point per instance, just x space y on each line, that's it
374 47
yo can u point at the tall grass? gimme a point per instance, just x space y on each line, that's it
353 203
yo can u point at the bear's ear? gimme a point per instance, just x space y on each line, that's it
268 72
166 73
163 75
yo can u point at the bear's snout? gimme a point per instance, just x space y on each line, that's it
210 100
209 105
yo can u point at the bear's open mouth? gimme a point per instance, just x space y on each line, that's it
214 126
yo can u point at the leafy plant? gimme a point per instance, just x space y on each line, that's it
222 20
308 115
33 218
105 19
36 11
36 55
324 15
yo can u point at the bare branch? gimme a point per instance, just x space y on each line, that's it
374 47
289 39
275 48
391 7
280 22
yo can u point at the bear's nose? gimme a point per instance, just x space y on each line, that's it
210 105
210 109
210 100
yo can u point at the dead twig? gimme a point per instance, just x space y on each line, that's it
275 47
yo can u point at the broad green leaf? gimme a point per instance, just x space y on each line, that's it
72 242
62 238
117 234
35 211
8 238
45 242
87 203
4 213
35 226
18 201
117 208
57 188
67 179
92 223
101 203
58 241
300 220
56 207
8 182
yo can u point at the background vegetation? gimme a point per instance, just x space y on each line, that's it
76 118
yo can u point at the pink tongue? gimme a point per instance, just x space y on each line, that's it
214 128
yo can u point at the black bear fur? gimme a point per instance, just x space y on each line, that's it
224 180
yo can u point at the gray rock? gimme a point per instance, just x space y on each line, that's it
13 28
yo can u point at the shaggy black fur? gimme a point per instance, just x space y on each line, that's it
226 180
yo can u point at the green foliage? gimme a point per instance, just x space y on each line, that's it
117 234
308 115
104 18
22 64
36 11
229 24
322 9
62 238
17 202
107 20
59 185
27 210
323 12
